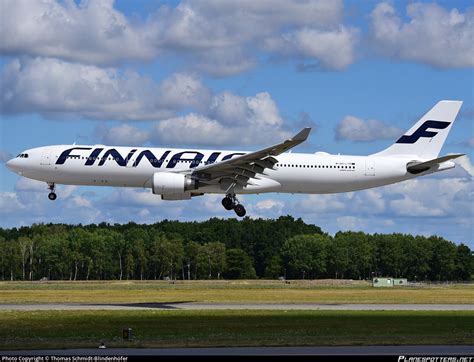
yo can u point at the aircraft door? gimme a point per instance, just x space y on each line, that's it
369 167
46 158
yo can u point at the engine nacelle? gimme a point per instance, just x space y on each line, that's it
172 184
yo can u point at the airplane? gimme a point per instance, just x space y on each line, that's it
180 174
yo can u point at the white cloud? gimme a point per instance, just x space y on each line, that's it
330 49
433 35
27 184
92 32
428 197
144 213
217 37
407 207
221 62
466 164
66 190
322 204
258 111
238 121
432 197
356 129
79 201
183 90
9 203
192 129
125 204
229 108
46 85
51 86
228 119
369 202
133 198
123 135
30 204
270 204
263 111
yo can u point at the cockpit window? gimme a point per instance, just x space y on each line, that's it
25 155
22 155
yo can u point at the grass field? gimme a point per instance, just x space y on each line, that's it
60 329
179 328
229 292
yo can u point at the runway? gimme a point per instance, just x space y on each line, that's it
257 351
236 306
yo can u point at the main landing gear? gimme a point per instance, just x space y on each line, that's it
230 202
52 195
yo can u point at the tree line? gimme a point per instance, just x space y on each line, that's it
218 248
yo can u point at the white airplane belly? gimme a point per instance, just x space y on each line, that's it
77 174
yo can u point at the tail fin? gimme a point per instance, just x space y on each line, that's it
427 136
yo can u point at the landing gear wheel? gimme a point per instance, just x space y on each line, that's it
52 195
228 203
239 210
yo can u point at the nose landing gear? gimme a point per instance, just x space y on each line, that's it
52 195
230 202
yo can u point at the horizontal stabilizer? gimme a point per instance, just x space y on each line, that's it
418 167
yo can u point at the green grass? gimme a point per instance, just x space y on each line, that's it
229 292
61 329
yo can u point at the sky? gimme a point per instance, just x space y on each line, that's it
238 75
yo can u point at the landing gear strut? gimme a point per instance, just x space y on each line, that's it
230 202
52 195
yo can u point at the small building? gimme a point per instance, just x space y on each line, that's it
400 282
382 282
389 282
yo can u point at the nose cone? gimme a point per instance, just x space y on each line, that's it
9 164
13 165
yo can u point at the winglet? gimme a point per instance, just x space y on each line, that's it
302 135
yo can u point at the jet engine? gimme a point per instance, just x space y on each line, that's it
171 185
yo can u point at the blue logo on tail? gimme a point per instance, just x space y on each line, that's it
422 131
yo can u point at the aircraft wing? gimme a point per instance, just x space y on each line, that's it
240 169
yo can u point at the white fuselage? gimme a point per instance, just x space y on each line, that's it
318 173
